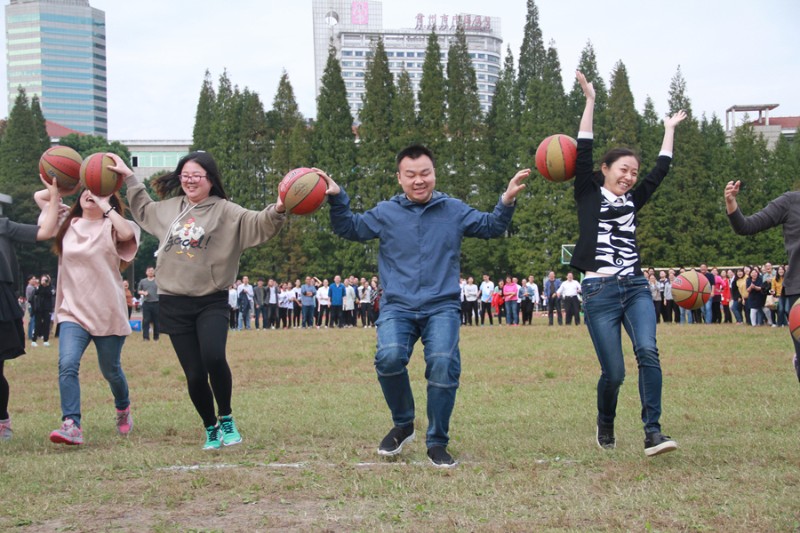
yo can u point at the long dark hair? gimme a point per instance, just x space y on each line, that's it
170 184
614 154
77 211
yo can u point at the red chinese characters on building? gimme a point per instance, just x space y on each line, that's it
468 21
359 12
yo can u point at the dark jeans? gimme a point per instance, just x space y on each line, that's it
554 306
337 319
486 307
527 311
272 316
609 304
261 312
324 310
150 316
573 308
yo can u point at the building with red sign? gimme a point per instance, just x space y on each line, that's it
355 25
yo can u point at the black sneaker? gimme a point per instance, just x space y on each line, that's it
393 442
440 458
605 436
656 443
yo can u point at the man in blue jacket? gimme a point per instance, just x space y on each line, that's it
420 233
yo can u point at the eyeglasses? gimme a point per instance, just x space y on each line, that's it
192 178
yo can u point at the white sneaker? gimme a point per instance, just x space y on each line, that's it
34 345
46 343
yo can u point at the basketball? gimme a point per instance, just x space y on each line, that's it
691 290
62 163
556 158
96 176
302 191
794 320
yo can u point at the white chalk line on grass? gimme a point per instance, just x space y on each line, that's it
301 465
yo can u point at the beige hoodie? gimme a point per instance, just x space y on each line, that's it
200 246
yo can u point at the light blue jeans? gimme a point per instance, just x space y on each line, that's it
609 304
72 343
398 331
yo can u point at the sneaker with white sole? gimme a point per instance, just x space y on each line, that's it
213 441
124 421
656 443
46 343
440 458
68 433
230 435
5 429
393 442
34 345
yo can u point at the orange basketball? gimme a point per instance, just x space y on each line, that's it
302 191
62 163
556 158
691 290
96 176
794 320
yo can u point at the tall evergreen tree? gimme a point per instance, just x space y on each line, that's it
463 162
623 130
20 150
204 117
334 150
532 52
404 115
375 151
502 132
433 97
40 126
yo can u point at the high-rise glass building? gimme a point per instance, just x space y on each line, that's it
353 27
56 49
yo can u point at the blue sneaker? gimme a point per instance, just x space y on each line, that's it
213 441
230 435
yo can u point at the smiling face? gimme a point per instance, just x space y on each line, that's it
621 176
197 187
417 178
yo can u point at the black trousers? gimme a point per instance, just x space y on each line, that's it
150 316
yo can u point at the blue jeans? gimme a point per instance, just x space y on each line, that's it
398 331
609 304
308 316
783 311
708 311
31 323
73 340
244 317
736 307
512 312
686 316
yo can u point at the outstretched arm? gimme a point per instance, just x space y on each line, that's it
669 130
515 186
588 112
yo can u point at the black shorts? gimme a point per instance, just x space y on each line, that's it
179 314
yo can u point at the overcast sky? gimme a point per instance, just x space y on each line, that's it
730 51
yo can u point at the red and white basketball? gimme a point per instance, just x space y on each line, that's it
794 320
691 290
62 163
556 158
96 176
302 191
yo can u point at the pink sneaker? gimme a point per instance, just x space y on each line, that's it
68 433
5 429
124 421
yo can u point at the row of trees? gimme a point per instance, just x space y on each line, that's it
684 224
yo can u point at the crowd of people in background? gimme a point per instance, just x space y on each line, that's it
750 294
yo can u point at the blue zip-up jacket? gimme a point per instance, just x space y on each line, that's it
419 256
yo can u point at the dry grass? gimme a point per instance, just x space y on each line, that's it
312 414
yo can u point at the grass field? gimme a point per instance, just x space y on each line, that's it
311 413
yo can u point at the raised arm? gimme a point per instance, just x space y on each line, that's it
588 111
669 131
49 225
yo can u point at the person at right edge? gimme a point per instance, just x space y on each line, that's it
782 211
615 294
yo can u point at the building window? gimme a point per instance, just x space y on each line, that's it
135 160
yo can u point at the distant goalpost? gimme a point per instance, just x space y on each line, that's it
566 253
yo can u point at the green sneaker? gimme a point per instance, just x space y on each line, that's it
230 435
213 441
